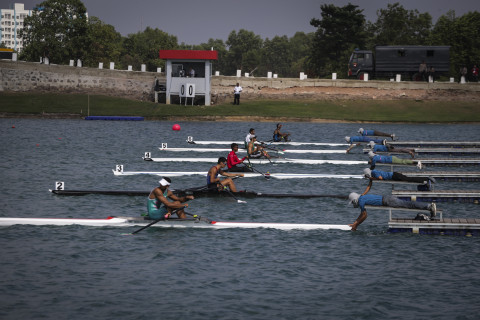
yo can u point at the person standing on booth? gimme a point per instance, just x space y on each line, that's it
236 93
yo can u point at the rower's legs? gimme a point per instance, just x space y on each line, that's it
391 201
230 184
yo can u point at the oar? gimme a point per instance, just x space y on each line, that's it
152 223
232 195
199 217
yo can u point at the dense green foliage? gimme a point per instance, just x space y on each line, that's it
60 31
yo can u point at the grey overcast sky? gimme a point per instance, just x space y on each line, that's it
196 21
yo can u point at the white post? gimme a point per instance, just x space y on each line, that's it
144 67
452 80
112 65
247 74
100 65
365 77
239 73
430 79
71 63
159 70
269 74
46 60
275 76
217 73
79 63
305 77
399 77
462 80
334 76
301 75
129 68
14 56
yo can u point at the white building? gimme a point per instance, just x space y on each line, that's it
11 22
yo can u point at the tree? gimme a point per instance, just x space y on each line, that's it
243 51
57 29
398 26
462 34
219 46
143 48
105 43
340 30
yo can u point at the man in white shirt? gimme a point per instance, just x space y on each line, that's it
236 92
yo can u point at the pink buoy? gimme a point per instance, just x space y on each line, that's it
176 127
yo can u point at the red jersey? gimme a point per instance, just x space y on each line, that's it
232 159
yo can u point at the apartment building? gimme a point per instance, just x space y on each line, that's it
11 22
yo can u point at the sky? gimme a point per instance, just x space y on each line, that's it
196 21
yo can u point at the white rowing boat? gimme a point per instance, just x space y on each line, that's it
262 161
119 172
244 150
169 223
290 143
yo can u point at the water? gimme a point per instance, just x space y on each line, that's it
81 272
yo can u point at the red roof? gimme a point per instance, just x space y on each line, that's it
188 54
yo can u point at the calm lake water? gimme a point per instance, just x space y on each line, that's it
78 272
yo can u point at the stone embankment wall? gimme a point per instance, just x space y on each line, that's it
35 77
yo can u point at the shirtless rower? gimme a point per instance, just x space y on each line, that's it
215 183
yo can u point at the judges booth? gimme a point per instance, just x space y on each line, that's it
188 73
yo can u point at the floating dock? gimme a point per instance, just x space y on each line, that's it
439 151
445 226
472 196
447 176
115 118
437 144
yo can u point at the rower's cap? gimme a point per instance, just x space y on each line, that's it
371 144
371 154
367 172
347 138
164 182
353 198
360 130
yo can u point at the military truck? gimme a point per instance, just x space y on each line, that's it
388 61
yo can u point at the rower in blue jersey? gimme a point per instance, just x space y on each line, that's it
358 140
214 183
375 158
360 201
278 136
158 205
385 147
372 175
368 132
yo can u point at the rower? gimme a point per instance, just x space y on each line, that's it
233 161
251 133
385 147
158 205
278 136
359 201
214 183
255 151
375 133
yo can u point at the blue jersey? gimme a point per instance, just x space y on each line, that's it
370 199
381 159
364 139
367 132
380 148
208 178
385 175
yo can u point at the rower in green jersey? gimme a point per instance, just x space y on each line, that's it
159 206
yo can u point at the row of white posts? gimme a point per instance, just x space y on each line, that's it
100 65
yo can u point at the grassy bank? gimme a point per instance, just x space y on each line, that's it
341 110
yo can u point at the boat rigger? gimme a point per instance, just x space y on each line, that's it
457 176
169 223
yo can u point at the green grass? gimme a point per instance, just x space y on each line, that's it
341 110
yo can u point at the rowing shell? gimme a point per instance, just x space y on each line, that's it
244 150
245 174
290 143
261 161
169 223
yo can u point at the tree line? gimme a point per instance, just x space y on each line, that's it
61 31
